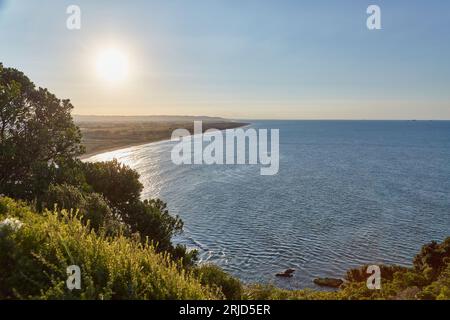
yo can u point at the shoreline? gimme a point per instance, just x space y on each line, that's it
228 125
111 149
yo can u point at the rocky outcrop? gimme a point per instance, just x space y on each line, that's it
329 282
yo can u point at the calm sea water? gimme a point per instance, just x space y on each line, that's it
347 193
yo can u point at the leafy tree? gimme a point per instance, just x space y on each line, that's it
152 219
36 133
115 181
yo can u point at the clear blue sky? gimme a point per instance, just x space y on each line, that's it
239 58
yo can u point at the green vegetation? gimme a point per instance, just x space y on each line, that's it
211 275
57 211
89 212
36 133
39 146
34 258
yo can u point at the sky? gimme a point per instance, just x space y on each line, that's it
242 59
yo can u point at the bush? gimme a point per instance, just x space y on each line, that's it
433 259
214 276
438 290
360 274
118 183
91 206
150 218
34 258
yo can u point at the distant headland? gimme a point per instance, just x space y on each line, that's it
107 133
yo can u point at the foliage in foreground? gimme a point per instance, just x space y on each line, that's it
35 253
212 275
36 248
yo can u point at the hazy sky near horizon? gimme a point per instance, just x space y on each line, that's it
289 59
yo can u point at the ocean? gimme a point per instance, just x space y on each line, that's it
347 193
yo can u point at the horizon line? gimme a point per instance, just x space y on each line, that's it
262 119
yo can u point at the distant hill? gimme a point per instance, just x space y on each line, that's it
124 119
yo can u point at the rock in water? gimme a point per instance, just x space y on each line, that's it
286 274
328 282
289 271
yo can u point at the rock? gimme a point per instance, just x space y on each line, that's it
328 282
289 271
286 274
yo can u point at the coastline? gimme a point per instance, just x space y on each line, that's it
137 144
120 146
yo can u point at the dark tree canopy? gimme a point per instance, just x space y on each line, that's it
116 182
36 132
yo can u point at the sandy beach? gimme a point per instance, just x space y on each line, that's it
105 136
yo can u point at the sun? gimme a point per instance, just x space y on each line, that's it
112 65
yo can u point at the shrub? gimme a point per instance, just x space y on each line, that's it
433 259
118 183
214 276
152 219
34 258
360 274
91 206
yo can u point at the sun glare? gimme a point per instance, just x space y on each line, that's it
112 65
